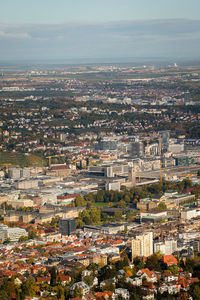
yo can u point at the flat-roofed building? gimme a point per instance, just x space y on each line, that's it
13 234
142 245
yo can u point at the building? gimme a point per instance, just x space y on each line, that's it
185 160
106 144
14 173
109 170
26 184
59 170
137 149
187 98
176 147
13 234
142 245
196 245
164 136
67 226
132 176
188 214
166 247
114 186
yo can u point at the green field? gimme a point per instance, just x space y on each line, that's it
104 204
21 159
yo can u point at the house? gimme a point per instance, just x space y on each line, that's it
111 281
85 288
170 287
134 280
148 296
105 295
169 277
149 275
89 297
86 273
122 292
170 260
43 280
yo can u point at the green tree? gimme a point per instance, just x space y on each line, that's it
29 286
23 238
32 235
100 196
77 292
53 274
60 292
80 201
122 204
118 216
162 206
88 280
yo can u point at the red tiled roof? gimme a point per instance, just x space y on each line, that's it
170 260
62 167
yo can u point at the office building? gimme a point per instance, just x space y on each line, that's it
137 149
67 226
164 138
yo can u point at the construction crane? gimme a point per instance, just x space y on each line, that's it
160 145
121 252
148 152
52 156
5 165
75 166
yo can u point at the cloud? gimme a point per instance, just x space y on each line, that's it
112 39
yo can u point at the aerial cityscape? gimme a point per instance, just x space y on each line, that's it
99 151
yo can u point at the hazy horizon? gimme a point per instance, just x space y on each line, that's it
49 30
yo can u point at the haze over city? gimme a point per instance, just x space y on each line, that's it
66 30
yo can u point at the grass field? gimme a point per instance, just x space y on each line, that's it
21 159
104 204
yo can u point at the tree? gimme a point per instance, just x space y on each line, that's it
32 235
29 287
23 238
80 201
108 287
162 206
53 274
60 292
30 260
7 241
77 292
195 292
100 196
88 280
122 204
118 215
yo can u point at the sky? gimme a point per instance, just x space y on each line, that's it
63 29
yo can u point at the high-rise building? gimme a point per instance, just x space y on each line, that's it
142 245
164 135
132 175
187 98
137 149
67 226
